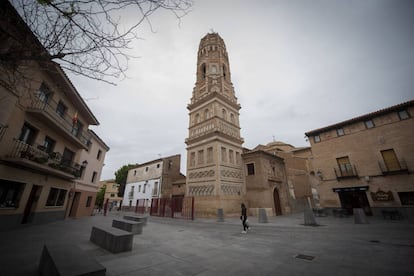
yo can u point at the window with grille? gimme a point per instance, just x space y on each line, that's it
345 166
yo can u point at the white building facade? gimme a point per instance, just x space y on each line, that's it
150 180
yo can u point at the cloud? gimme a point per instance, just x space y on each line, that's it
295 65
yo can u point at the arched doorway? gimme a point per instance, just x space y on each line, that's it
276 199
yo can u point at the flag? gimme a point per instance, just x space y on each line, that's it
75 118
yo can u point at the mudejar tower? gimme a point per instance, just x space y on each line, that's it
214 164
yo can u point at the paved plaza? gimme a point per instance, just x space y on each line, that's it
284 246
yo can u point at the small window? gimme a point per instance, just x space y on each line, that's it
340 131
390 159
145 188
98 156
237 157
155 191
112 195
403 114
224 71
192 159
10 193
250 169
56 197
135 172
210 155
44 93
223 154
89 201
61 109
369 124
203 71
49 144
94 177
139 188
224 114
67 157
231 156
158 166
146 169
200 157
316 138
406 198
28 134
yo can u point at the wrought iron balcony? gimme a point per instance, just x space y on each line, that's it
395 168
346 171
35 158
61 123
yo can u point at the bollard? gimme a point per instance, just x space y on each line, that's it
359 216
220 215
262 216
309 217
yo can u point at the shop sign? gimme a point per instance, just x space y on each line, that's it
382 196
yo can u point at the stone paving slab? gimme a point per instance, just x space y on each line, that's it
207 247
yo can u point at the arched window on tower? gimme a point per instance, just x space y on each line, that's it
224 114
232 118
197 118
203 71
224 71
206 114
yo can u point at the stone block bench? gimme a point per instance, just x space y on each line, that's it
134 227
65 260
143 219
391 214
112 239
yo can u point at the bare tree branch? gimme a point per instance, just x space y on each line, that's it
86 37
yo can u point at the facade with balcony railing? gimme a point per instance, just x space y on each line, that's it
46 148
358 161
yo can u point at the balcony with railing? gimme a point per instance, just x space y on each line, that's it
60 122
345 171
35 158
397 167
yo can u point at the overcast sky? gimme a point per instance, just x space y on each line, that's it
296 66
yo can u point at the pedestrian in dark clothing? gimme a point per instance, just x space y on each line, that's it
243 217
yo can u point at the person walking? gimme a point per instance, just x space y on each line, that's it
243 218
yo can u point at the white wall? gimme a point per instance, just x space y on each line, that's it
139 192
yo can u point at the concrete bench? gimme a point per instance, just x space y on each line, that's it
143 219
65 260
112 239
134 227
391 214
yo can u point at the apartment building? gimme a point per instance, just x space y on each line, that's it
367 162
153 179
111 193
46 147
83 194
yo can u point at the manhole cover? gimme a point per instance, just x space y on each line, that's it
305 257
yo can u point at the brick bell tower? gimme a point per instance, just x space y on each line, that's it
215 174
